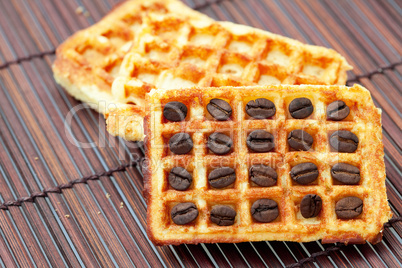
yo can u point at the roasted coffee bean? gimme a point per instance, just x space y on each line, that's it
181 143
344 141
219 109
345 173
184 213
301 108
223 215
300 140
263 175
310 206
304 173
222 177
219 143
260 108
337 110
264 210
349 207
179 178
260 141
175 111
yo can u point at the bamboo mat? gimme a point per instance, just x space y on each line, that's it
96 215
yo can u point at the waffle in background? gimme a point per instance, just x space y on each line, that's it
171 45
182 51
364 120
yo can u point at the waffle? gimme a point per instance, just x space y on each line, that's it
88 62
364 120
183 51
168 44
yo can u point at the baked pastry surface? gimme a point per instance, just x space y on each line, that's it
364 120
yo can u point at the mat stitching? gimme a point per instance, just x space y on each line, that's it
379 70
58 189
337 247
27 58
207 4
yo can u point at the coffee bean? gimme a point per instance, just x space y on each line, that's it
263 175
260 141
310 206
219 143
349 207
223 215
300 140
344 141
264 210
337 110
345 173
175 111
181 143
301 108
184 213
179 178
222 177
260 108
304 173
219 109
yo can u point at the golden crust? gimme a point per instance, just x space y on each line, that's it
88 62
364 120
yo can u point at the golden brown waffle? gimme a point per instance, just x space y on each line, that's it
174 45
87 63
183 51
364 121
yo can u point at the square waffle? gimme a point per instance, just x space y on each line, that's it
171 222
183 51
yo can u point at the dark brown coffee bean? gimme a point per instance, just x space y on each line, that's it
222 177
263 175
180 179
300 140
301 108
223 215
304 173
337 110
260 141
219 109
310 206
264 210
260 108
181 143
219 143
344 141
175 111
345 173
184 213
349 207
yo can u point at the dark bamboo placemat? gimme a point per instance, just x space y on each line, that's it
96 214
